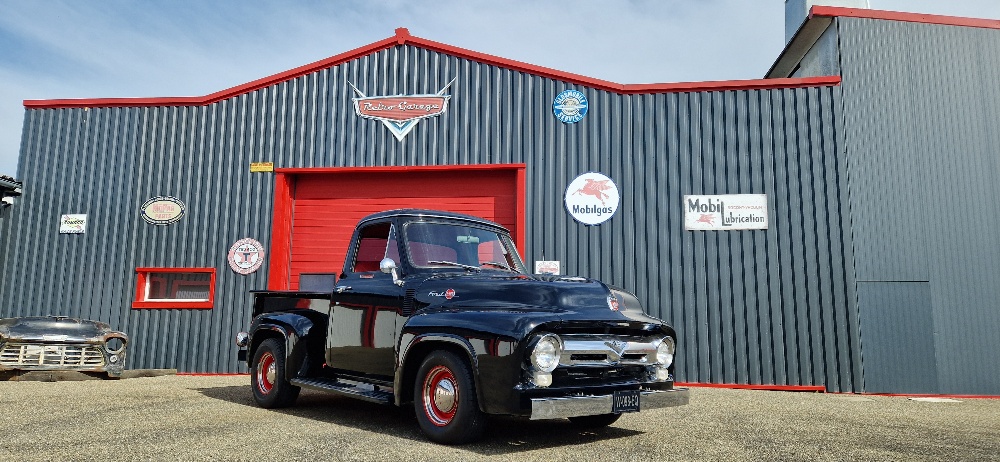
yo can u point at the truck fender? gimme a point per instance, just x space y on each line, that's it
292 328
410 342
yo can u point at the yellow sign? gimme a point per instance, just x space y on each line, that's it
261 167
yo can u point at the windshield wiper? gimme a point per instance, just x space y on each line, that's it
468 267
498 265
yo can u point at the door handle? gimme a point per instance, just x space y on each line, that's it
342 289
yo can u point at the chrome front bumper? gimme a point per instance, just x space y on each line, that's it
577 406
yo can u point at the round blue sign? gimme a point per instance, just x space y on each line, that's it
570 106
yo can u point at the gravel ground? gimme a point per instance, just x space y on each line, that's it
214 418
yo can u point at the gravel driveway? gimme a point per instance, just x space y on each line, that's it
214 418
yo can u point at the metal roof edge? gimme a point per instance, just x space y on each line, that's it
403 37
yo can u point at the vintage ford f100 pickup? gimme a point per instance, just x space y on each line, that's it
438 310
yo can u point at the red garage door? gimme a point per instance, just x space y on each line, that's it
326 204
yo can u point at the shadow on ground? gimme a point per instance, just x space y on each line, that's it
505 435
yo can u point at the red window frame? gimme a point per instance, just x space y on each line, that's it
142 275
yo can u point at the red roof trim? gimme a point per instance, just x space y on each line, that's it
834 11
402 37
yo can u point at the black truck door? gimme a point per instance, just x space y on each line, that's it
361 336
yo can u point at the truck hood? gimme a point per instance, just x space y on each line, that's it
51 328
518 304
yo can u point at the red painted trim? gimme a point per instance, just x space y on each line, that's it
419 168
403 37
833 11
279 260
807 388
521 226
140 290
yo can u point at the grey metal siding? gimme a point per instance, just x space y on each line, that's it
921 105
898 337
762 307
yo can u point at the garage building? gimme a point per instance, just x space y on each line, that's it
872 138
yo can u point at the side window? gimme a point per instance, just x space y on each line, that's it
374 245
174 288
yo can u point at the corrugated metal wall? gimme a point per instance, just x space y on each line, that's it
772 307
922 131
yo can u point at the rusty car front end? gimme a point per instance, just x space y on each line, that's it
59 343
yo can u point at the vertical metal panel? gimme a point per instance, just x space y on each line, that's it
921 135
898 337
762 307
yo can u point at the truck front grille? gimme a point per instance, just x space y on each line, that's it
51 354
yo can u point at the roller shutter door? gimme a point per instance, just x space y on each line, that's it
326 207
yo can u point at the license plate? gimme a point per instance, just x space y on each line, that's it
625 401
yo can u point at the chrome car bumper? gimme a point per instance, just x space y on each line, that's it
577 406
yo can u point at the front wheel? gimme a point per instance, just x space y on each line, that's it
595 421
267 376
444 398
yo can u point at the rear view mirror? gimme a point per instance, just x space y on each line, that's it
468 239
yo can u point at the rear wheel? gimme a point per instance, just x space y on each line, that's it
267 376
444 399
595 421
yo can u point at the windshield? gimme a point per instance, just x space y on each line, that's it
443 245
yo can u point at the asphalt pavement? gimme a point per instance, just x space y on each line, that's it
214 418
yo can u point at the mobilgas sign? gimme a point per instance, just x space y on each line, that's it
727 212
592 198
400 113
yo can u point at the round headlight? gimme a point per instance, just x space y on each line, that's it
115 345
545 355
665 352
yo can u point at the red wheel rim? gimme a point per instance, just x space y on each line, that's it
440 396
265 373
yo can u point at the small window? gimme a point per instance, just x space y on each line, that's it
174 288
375 242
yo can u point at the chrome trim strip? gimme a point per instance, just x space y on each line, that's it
577 406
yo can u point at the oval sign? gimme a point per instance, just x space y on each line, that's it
592 198
162 210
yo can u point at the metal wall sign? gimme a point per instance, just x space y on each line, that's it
592 198
547 267
400 113
725 212
73 223
570 106
258 167
246 256
162 210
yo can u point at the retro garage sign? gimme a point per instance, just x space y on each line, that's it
400 113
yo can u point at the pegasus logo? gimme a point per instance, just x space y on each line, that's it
595 188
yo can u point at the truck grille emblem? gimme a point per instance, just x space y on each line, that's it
617 345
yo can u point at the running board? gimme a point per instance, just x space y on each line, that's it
341 388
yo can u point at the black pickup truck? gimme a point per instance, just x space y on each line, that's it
437 309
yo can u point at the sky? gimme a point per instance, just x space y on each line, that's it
155 48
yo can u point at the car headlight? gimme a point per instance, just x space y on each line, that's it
545 355
665 352
115 345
